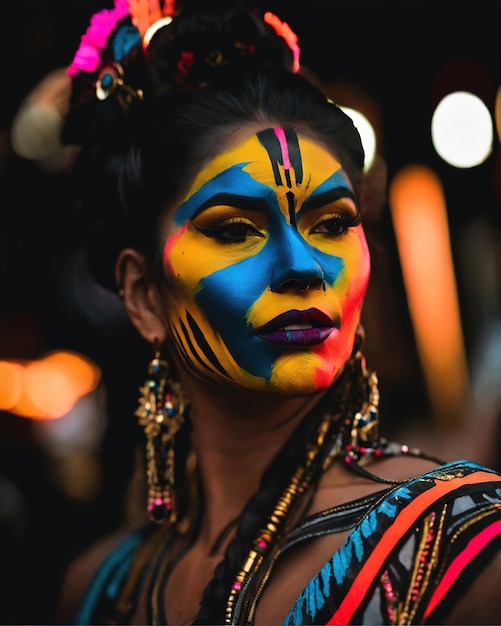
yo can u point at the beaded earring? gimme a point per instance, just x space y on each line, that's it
364 432
160 413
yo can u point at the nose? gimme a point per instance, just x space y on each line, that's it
295 268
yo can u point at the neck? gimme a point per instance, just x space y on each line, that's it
236 434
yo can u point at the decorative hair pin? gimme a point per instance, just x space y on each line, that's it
149 17
110 80
154 28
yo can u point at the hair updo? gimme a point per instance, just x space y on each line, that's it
201 78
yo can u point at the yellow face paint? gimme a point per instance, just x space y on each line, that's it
267 266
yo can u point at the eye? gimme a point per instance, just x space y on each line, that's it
231 231
336 225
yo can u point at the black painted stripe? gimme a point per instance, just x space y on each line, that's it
192 348
270 143
187 359
294 154
204 346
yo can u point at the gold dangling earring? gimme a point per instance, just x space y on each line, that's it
160 413
364 439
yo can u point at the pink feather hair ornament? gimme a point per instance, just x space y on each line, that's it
88 56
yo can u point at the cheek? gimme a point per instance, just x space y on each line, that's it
358 266
228 294
195 261
354 278
182 261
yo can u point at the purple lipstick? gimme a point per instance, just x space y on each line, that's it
298 328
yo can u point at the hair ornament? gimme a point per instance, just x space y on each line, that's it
124 41
186 61
110 80
215 58
284 30
149 17
154 28
88 56
245 48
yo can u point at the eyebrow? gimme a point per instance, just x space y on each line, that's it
248 203
326 197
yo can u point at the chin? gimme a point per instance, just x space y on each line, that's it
306 375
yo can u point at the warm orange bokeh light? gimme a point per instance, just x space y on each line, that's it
420 222
49 387
11 384
84 374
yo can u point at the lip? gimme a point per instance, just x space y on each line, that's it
298 328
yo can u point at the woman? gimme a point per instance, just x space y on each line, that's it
223 197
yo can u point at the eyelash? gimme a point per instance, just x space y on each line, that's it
222 231
236 230
341 222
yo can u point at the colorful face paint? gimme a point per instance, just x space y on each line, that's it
267 266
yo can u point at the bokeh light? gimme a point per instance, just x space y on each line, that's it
497 113
11 384
462 130
419 217
46 388
367 134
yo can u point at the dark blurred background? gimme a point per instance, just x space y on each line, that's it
67 481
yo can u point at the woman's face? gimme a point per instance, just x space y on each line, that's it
266 266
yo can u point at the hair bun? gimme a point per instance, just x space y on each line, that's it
200 50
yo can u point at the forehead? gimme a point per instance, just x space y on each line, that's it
276 157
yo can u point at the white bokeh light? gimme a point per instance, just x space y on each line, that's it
367 134
462 130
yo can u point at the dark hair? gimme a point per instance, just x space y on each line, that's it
133 165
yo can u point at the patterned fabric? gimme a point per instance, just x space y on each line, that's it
412 554
107 581
412 551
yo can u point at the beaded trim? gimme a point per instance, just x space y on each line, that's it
274 527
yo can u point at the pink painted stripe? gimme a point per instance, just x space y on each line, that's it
474 546
280 135
172 242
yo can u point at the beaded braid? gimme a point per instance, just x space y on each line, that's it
273 483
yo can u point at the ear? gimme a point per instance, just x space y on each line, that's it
140 296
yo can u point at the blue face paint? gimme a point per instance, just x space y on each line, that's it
234 181
254 265
285 255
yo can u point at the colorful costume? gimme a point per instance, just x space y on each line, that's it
412 551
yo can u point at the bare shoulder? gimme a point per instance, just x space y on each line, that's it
340 485
80 573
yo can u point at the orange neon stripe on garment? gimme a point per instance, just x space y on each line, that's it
399 527
474 546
